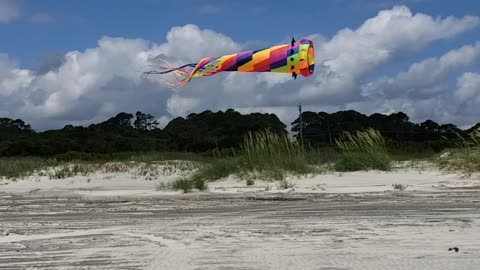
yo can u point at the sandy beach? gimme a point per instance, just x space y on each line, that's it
331 221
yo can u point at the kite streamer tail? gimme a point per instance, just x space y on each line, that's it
183 74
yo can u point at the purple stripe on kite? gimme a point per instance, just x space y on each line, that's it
241 56
275 58
278 64
232 67
244 59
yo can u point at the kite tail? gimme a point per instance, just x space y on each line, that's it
183 73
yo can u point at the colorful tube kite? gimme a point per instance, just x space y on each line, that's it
296 58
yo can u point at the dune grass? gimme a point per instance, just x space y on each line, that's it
22 167
364 150
273 156
264 155
148 165
465 157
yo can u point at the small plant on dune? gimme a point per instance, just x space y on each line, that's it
364 150
399 187
465 157
187 185
284 184
183 184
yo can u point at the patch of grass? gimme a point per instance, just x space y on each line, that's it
365 150
218 168
147 157
358 161
464 158
183 184
78 163
23 166
262 155
284 184
186 185
321 156
272 156
214 170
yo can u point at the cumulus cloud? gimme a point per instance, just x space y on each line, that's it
469 87
9 10
352 54
50 62
427 78
467 97
191 43
91 85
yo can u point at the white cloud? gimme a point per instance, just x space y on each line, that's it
352 54
9 10
469 87
425 79
91 85
191 43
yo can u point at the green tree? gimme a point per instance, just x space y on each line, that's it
145 121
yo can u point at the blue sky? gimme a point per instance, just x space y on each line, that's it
61 58
77 25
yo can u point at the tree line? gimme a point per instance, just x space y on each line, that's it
321 128
126 132
208 131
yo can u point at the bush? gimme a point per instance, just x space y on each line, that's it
357 161
183 184
75 156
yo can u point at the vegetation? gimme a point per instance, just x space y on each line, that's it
365 150
465 157
273 155
265 155
141 164
400 134
222 131
24 166
250 146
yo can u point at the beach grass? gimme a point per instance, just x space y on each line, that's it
465 157
362 150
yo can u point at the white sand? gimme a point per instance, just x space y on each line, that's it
353 221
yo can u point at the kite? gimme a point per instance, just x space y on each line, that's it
296 58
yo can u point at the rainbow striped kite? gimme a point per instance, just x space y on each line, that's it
296 58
